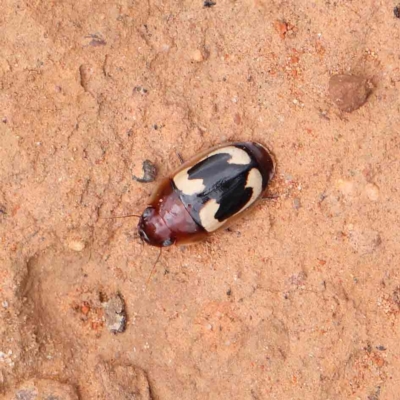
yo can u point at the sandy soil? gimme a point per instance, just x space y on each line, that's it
298 300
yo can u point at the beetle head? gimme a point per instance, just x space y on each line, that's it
153 229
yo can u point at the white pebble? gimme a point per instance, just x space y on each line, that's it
372 191
5 304
197 56
76 245
346 187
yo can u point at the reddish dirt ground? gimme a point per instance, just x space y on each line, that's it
298 300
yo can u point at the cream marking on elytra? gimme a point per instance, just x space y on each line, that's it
186 185
238 156
207 216
207 213
254 181
195 186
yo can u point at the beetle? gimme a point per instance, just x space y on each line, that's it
206 193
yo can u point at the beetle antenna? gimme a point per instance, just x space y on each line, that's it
154 267
123 216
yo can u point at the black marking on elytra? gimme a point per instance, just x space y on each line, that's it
224 182
234 199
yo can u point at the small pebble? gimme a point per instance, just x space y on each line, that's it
372 191
115 314
349 92
197 56
298 279
5 304
76 245
281 27
288 178
149 173
237 119
345 187
209 3
396 11
42 389
123 382
96 40
296 203
363 241
140 89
